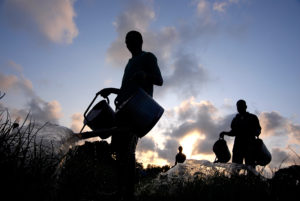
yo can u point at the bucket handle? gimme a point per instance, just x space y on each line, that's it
84 115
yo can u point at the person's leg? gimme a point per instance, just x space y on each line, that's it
237 152
237 157
131 163
250 155
126 165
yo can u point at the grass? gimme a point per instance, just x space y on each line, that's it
28 171
26 168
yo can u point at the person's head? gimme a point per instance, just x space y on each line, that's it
241 106
180 149
134 41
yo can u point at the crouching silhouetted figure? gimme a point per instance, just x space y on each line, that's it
245 127
180 157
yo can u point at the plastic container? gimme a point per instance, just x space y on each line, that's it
101 116
221 150
140 113
262 155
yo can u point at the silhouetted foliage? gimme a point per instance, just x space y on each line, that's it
26 169
88 172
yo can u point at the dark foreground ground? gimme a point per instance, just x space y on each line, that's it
88 173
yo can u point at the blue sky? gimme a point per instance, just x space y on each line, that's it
55 55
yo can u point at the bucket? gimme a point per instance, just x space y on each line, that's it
221 150
262 155
140 112
101 116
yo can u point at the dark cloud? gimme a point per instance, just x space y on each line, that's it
279 158
146 144
271 121
170 150
39 111
188 76
274 124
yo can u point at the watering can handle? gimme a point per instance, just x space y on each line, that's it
107 99
84 115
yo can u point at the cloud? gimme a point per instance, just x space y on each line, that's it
38 109
184 72
54 20
271 122
77 122
282 158
14 83
278 156
187 78
221 6
146 144
16 67
202 117
274 124
137 16
294 132
205 120
169 151
43 111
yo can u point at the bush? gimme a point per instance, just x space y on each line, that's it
26 168
28 171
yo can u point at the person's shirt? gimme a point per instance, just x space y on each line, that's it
245 126
145 62
180 158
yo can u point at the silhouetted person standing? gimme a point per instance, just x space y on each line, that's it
245 127
180 157
141 71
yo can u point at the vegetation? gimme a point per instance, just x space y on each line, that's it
88 172
26 168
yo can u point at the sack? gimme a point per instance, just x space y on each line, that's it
262 155
221 150
140 113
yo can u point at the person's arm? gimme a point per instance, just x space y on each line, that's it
107 91
232 132
155 76
150 73
229 133
257 127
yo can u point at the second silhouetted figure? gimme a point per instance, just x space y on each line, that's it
245 127
180 157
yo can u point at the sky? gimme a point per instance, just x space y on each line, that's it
56 55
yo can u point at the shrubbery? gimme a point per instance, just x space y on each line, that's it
88 172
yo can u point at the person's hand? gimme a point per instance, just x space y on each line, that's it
78 135
104 92
222 134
